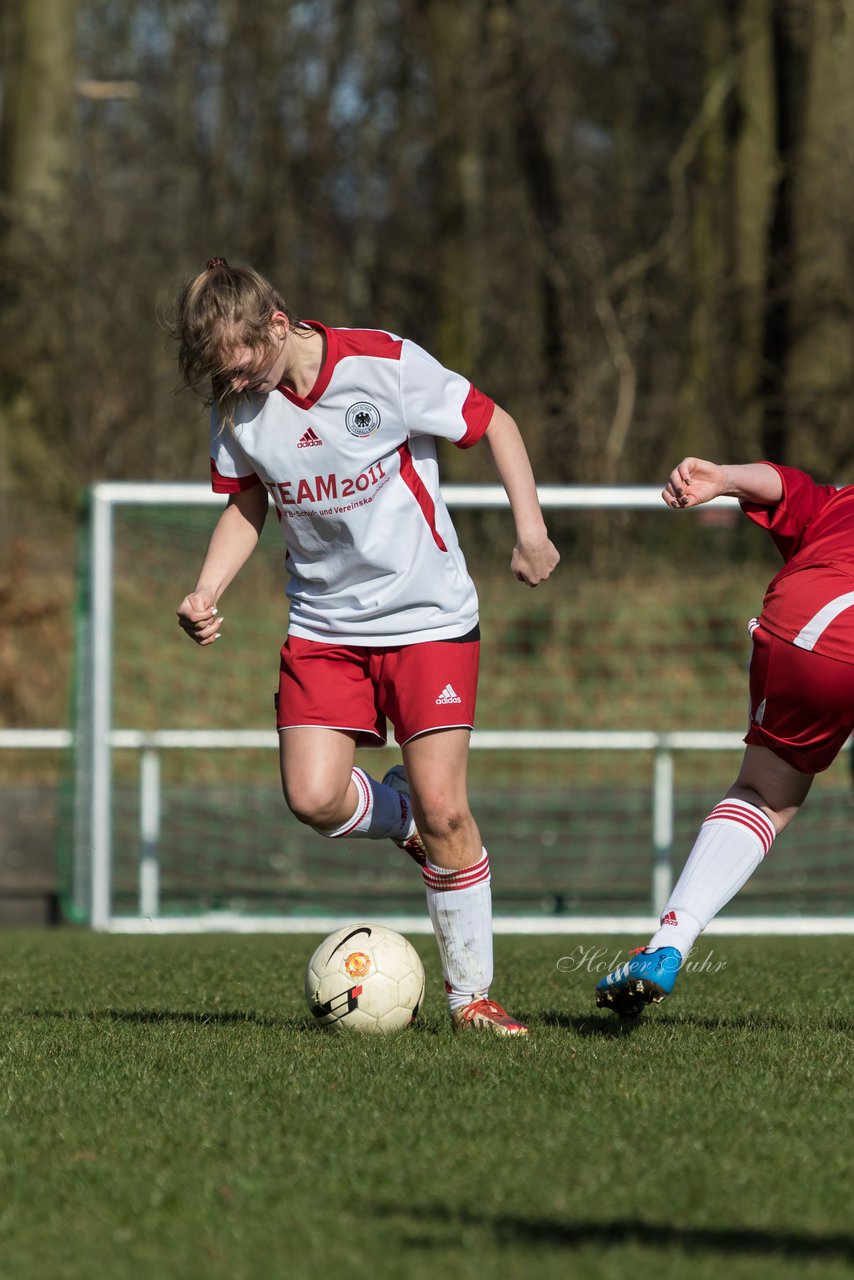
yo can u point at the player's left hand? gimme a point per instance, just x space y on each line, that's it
533 563
199 617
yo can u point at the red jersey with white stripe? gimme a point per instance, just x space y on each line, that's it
810 602
372 555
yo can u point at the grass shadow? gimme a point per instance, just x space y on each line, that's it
608 1025
451 1221
588 1025
191 1017
221 1017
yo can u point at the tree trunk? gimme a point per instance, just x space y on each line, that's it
704 389
820 368
36 166
754 174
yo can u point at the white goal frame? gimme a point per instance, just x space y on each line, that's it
91 889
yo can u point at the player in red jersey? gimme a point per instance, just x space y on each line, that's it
337 427
801 702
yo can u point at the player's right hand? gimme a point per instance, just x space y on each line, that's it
693 482
198 616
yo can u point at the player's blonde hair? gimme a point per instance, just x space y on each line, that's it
223 307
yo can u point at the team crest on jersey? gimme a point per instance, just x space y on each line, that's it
362 419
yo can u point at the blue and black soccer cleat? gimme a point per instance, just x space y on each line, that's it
646 978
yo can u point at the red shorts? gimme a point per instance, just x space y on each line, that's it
418 687
801 703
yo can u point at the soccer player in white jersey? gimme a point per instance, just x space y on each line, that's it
801 702
337 427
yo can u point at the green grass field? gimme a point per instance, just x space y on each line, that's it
169 1110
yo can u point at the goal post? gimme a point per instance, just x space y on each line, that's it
610 718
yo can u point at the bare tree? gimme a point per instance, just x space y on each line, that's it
627 222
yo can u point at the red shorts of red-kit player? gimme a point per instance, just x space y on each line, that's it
801 703
418 687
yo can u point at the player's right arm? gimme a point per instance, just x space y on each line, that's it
695 481
234 538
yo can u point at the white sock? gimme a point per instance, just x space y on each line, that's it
729 847
460 906
380 813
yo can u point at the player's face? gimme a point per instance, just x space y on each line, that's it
258 370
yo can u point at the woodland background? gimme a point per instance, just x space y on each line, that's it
630 221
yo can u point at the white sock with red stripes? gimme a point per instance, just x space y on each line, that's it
380 813
729 847
460 906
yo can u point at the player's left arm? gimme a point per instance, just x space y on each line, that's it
534 555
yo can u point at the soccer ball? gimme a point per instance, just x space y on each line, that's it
365 978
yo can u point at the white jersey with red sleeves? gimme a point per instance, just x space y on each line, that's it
372 555
810 602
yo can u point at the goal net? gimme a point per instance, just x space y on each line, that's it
611 709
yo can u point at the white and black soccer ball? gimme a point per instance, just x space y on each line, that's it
365 978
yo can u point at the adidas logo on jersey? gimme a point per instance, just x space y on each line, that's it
309 439
447 695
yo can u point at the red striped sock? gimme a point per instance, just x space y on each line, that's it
729 847
381 813
460 906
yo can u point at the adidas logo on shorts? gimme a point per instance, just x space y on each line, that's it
447 695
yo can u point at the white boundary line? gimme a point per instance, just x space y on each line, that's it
233 922
566 496
36 739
